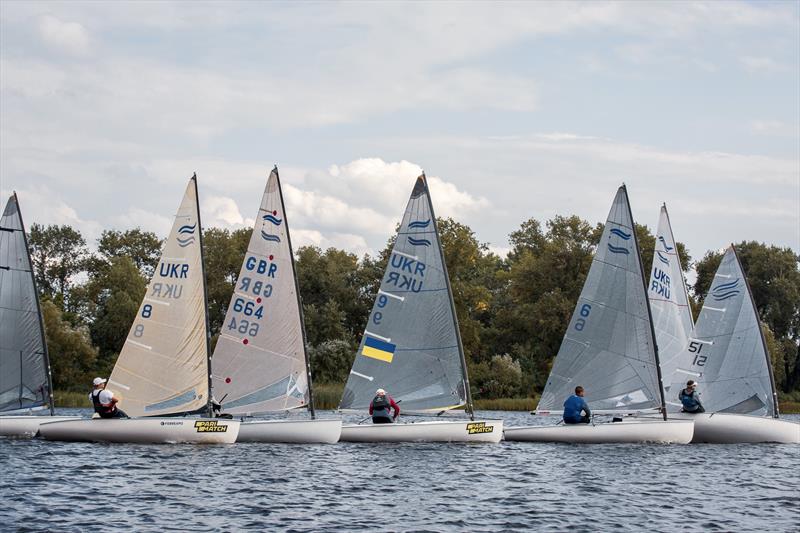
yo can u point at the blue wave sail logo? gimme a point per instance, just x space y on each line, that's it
618 249
272 218
662 258
726 291
621 234
419 224
419 242
663 241
188 231
269 237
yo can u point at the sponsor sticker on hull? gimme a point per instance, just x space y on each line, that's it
210 426
478 427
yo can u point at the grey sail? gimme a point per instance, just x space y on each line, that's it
411 345
259 363
163 366
24 367
727 355
608 347
669 301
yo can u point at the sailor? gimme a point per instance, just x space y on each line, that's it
380 408
574 408
690 398
104 401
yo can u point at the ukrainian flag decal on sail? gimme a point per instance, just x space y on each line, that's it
377 349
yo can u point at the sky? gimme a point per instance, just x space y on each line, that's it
514 110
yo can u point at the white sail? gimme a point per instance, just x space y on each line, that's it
259 363
163 366
727 355
24 366
608 347
669 300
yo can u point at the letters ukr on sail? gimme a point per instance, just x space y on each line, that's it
24 370
259 361
410 346
162 368
608 346
727 355
669 301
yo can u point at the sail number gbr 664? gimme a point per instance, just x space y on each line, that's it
250 294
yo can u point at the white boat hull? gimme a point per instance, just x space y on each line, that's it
657 431
290 431
27 426
724 428
144 430
439 431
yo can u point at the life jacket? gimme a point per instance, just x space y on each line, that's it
381 407
105 411
689 401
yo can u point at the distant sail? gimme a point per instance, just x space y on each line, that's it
669 301
608 348
727 355
24 366
411 346
163 366
259 363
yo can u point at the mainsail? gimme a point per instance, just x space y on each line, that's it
669 300
411 346
25 382
727 354
260 359
163 366
609 348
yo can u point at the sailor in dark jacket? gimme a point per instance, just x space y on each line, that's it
690 398
380 408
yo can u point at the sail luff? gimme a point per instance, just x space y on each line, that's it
465 373
209 404
680 263
776 414
48 369
299 298
647 303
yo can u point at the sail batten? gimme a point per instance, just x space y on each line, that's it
608 347
411 345
260 362
25 382
727 355
163 366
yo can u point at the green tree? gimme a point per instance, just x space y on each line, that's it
331 361
142 247
224 253
72 356
58 253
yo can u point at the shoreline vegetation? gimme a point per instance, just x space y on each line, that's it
327 395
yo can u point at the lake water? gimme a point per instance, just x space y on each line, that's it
399 487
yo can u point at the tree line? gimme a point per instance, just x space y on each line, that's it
512 311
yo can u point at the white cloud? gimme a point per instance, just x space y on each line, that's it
345 241
775 127
760 64
66 37
221 211
135 217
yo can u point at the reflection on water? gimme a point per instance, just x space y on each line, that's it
393 487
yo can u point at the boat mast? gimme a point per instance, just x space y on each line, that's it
50 399
680 264
760 333
647 303
464 373
209 405
299 298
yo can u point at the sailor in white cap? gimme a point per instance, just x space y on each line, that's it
104 401
380 408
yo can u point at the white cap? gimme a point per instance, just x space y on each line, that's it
98 381
380 391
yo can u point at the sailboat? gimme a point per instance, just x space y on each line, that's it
669 304
728 358
411 346
25 379
163 369
609 349
260 361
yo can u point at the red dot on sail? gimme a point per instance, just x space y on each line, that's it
227 380
258 300
274 212
245 341
270 258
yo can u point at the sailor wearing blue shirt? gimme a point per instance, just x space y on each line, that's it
574 408
690 398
